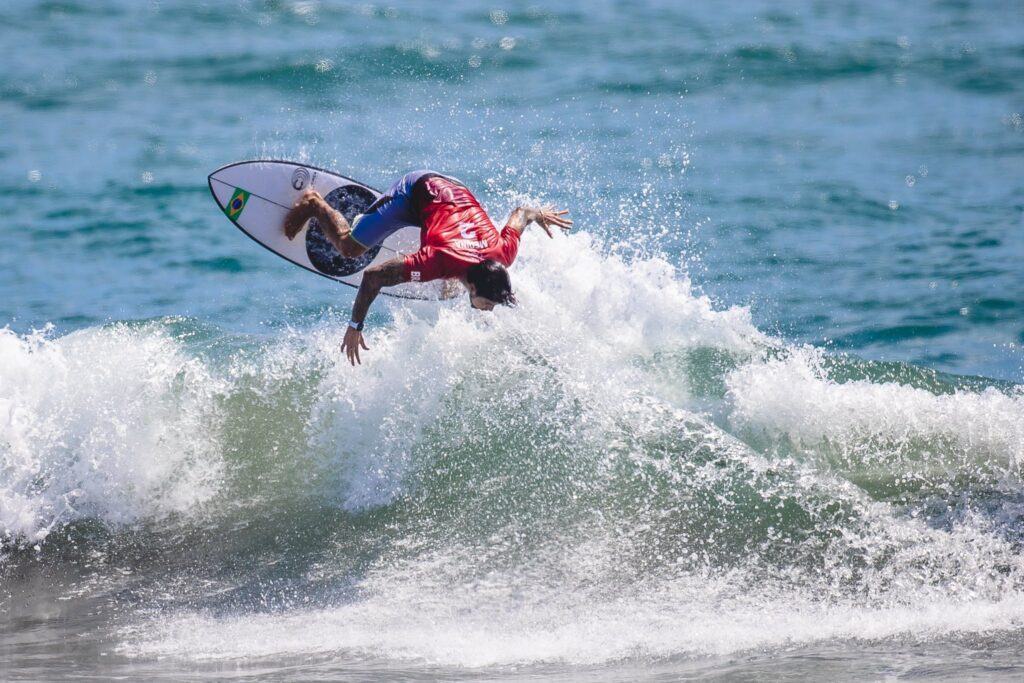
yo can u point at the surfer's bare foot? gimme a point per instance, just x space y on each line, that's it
304 209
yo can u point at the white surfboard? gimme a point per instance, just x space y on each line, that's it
256 196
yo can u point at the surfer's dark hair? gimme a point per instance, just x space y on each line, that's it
491 282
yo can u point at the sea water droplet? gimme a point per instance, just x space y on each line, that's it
35 175
150 78
474 61
910 180
499 17
146 177
893 204
507 43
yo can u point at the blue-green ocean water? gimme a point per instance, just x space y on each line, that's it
760 417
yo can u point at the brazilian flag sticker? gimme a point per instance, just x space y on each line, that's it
237 203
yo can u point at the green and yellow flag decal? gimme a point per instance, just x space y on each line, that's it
237 203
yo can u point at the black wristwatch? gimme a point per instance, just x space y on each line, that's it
358 327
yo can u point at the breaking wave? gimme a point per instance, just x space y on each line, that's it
617 469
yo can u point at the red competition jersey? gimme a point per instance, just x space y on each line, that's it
456 233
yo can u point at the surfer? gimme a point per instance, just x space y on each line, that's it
457 241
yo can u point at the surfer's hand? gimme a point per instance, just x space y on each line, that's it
550 216
350 345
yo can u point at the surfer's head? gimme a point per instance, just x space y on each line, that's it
489 285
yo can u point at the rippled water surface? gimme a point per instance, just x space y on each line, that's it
759 417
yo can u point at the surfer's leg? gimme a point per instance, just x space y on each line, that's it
332 223
392 212
336 229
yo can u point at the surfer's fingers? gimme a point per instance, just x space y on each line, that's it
556 215
363 343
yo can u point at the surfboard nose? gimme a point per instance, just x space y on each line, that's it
221 191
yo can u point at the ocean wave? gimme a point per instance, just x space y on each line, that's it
617 469
108 423
559 374
894 430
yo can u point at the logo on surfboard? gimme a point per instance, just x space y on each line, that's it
237 203
299 178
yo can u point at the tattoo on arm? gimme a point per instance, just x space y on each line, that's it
387 274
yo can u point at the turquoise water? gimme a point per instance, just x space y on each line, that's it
761 416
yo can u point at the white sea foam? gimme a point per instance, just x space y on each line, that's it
120 424
489 623
595 635
588 326
105 423
583 341
577 601
876 423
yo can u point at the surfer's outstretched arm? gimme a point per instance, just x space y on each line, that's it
386 274
544 217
